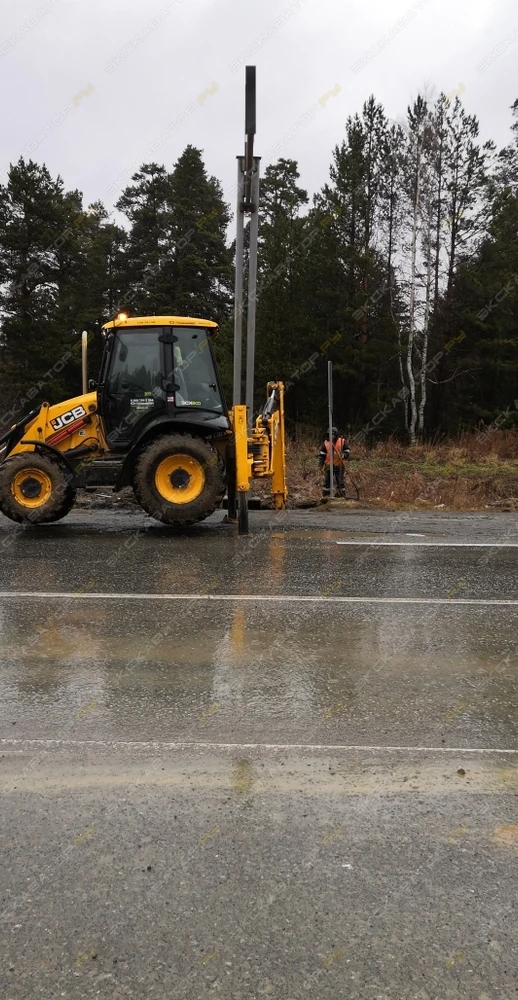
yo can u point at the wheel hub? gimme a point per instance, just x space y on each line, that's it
180 479
30 488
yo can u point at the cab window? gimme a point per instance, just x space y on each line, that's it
136 364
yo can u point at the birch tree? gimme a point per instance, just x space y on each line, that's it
416 177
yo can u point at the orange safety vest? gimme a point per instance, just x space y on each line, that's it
337 457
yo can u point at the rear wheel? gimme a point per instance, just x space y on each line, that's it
178 479
34 489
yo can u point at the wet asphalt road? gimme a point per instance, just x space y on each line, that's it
224 790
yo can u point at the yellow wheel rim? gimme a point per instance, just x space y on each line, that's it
179 478
31 487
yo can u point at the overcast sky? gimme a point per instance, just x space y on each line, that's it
93 88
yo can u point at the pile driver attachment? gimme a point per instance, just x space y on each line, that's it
260 454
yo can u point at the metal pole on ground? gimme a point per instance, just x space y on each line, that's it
330 422
247 204
238 286
252 291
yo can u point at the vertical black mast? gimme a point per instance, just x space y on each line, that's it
247 204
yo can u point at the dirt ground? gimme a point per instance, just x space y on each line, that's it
474 472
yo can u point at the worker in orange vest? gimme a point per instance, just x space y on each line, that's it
340 455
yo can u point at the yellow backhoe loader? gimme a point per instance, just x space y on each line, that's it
156 420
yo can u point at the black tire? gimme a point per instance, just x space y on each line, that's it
23 499
198 465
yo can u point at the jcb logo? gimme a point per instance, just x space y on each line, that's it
68 418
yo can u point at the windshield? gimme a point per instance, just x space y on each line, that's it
194 370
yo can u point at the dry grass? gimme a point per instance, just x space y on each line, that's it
468 473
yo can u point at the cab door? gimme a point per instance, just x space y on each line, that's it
133 392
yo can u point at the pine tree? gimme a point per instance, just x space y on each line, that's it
100 283
483 346
359 310
506 167
148 248
39 263
391 228
199 270
280 338
176 258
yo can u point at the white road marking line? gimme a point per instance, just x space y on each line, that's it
436 545
280 598
250 746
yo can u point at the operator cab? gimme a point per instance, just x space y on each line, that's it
159 369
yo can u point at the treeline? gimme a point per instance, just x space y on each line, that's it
403 271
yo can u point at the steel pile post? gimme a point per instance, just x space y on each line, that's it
252 291
238 286
247 204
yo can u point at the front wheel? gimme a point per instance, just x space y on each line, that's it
34 489
178 479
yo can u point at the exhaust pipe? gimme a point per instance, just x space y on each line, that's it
84 360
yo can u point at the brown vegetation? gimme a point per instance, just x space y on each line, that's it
471 472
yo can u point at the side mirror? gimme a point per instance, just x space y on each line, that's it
92 384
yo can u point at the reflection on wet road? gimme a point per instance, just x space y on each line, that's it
268 562
259 798
297 673
133 554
